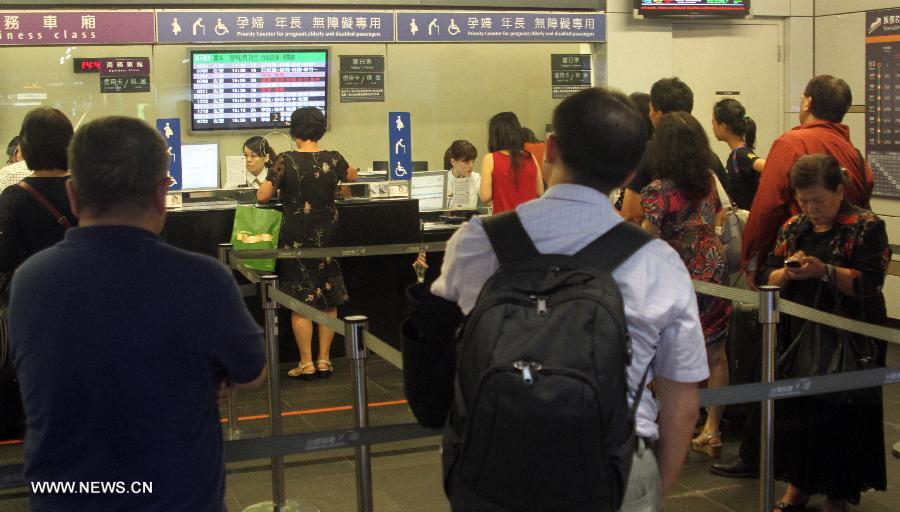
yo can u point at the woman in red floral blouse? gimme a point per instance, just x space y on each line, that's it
682 207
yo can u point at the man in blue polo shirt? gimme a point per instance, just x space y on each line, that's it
121 343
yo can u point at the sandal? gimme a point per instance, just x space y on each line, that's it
783 506
300 372
324 368
710 444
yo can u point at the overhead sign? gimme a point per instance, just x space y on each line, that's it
400 145
75 28
274 26
125 74
512 27
124 83
131 66
362 78
170 129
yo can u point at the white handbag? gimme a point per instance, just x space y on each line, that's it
732 232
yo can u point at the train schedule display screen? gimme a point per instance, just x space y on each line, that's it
246 90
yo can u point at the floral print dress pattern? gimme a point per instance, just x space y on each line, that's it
689 227
307 183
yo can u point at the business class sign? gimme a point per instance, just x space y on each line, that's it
43 28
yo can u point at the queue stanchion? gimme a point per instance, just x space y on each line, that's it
356 348
768 318
279 501
233 431
271 308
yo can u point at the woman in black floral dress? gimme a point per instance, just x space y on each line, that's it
829 444
307 180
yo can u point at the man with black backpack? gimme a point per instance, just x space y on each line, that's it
569 312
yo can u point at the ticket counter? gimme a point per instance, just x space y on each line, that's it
376 284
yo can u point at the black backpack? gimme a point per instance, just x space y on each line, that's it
540 419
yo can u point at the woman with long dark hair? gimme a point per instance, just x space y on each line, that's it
733 126
682 207
510 175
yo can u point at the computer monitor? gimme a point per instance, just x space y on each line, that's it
430 188
199 166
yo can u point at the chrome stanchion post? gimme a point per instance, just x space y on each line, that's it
279 501
353 339
233 431
271 308
768 318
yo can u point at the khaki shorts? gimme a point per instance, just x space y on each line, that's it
644 490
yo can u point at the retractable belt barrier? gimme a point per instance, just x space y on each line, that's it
364 436
342 252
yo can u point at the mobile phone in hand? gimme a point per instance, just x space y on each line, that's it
792 264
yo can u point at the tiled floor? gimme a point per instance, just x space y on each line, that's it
407 475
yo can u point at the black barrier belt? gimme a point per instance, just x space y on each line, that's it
249 449
814 315
372 342
726 292
321 441
743 393
249 290
12 475
245 271
806 386
342 252
317 316
799 310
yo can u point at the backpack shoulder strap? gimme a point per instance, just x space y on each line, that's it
508 237
612 248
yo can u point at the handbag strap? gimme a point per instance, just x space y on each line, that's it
61 219
723 196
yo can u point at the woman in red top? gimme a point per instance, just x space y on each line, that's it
510 175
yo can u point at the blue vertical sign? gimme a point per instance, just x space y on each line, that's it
400 145
170 129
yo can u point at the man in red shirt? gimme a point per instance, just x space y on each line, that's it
822 108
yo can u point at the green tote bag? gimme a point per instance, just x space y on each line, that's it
256 228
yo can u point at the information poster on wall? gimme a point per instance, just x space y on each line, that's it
882 105
569 73
362 78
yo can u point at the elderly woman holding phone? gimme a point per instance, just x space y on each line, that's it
833 257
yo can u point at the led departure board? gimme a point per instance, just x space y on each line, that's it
258 89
